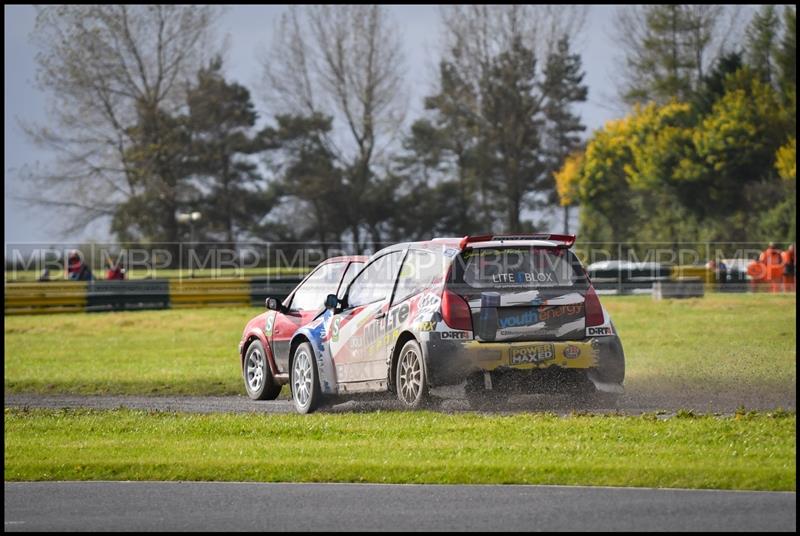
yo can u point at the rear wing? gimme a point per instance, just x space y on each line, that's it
534 239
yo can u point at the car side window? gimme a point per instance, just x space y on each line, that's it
419 270
310 296
376 281
351 272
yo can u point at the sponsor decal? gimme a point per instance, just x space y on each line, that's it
335 329
426 326
532 354
605 330
270 323
455 335
571 351
534 316
526 318
450 252
428 303
559 311
523 277
378 332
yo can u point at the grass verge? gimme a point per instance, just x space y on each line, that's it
747 451
720 342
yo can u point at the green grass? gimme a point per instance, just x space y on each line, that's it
720 342
180 351
164 273
746 341
750 451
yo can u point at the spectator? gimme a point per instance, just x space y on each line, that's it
773 264
115 271
77 270
789 269
45 275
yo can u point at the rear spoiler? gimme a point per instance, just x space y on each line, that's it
562 240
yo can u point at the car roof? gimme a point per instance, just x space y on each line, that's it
346 258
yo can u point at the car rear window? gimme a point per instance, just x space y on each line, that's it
520 267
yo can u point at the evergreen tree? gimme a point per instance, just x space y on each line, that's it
562 88
221 118
513 122
787 52
761 42
157 167
667 49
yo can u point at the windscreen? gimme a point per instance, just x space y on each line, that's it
517 268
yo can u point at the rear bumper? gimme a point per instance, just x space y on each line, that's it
599 359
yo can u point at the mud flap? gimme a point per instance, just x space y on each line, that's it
605 387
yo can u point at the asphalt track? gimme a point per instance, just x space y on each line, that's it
217 506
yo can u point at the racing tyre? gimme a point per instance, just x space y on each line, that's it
410 378
304 380
258 380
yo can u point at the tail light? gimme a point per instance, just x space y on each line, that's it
455 311
594 311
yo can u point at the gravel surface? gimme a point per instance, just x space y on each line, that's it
451 401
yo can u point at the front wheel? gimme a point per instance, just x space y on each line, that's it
306 393
258 380
410 378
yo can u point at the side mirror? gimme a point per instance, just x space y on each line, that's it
331 301
272 304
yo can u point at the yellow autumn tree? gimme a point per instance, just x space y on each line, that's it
786 160
567 179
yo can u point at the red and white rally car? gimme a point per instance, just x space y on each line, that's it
264 346
505 314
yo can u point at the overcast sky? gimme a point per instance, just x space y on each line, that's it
249 29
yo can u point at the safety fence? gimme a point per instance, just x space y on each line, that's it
92 296
612 277
619 277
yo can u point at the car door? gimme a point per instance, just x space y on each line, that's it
302 306
358 333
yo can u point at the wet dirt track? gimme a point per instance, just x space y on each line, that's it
451 401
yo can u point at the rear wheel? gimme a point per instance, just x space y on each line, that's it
258 380
306 393
410 378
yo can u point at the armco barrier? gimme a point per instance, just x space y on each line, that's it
262 288
43 298
187 293
706 275
127 295
74 296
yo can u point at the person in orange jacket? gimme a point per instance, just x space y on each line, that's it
789 269
773 263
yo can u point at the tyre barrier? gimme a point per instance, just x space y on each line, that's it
96 296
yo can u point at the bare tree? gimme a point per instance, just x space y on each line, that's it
102 66
345 62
